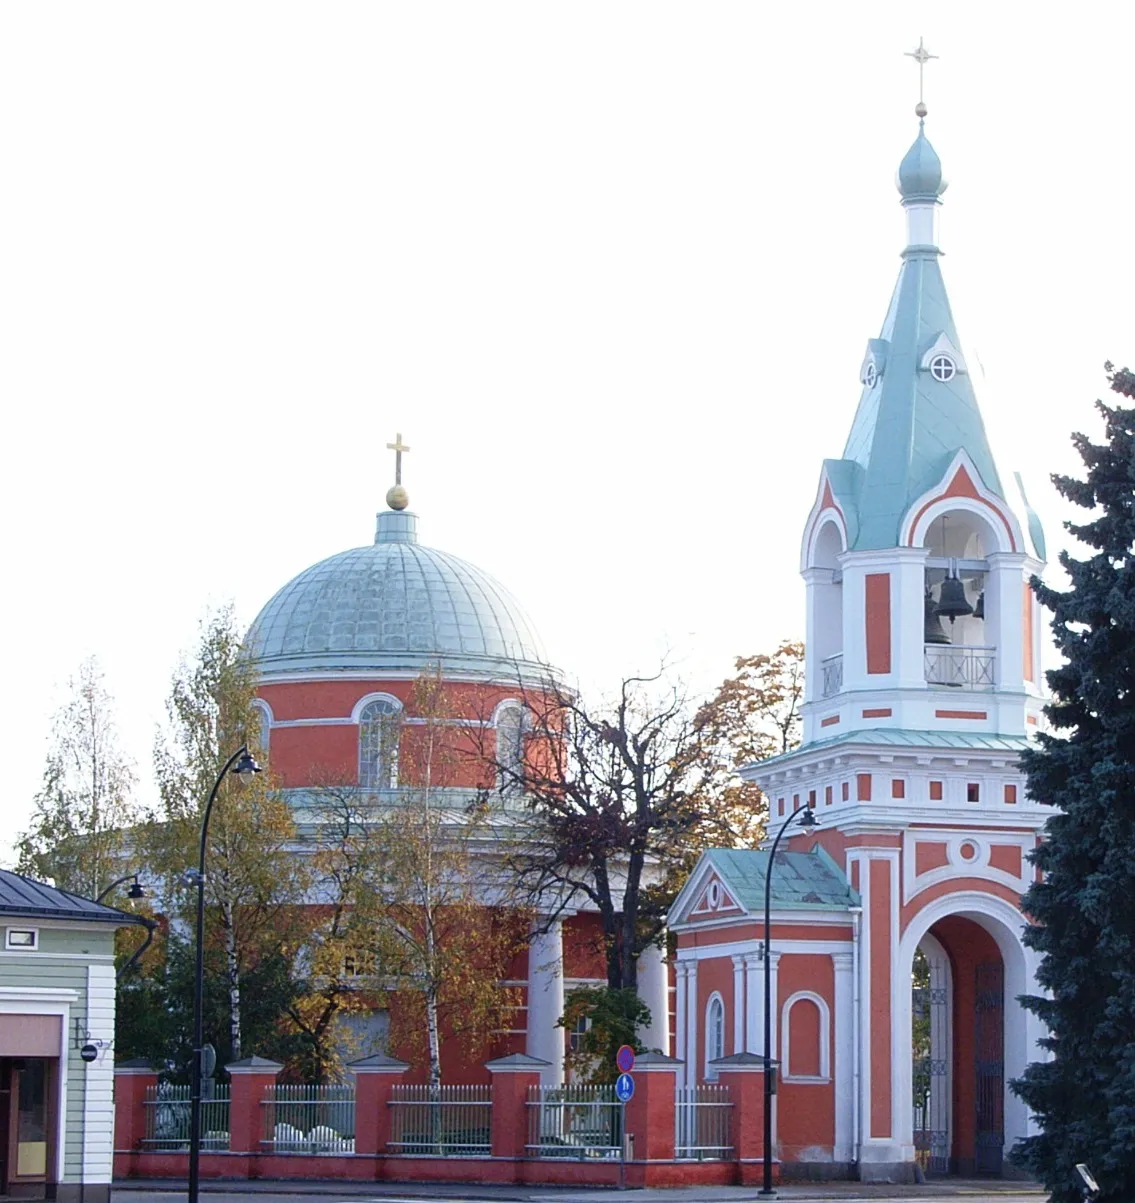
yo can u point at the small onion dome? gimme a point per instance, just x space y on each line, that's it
920 173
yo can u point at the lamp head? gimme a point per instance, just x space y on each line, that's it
808 820
246 767
137 890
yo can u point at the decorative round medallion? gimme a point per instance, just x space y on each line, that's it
968 851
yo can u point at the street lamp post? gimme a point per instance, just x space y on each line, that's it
242 764
807 820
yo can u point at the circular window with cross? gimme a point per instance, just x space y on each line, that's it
943 368
870 375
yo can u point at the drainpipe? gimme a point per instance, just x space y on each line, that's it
856 1096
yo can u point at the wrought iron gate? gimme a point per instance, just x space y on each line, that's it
929 1072
989 1067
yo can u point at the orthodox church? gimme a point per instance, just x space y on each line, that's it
895 943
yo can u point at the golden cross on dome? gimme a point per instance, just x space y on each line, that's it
397 447
921 56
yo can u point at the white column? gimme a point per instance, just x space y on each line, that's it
753 987
693 1022
1005 617
738 1004
681 968
774 961
841 1058
546 1001
653 979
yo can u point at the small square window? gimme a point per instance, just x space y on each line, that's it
23 938
812 799
1010 793
935 791
845 791
898 788
973 792
827 795
795 801
780 806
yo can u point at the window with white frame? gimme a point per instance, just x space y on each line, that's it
262 728
806 1038
380 724
21 939
510 744
714 1034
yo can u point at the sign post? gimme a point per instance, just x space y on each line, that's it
624 1092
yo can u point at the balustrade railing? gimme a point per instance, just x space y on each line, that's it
581 1122
309 1120
167 1119
441 1121
960 666
703 1123
831 668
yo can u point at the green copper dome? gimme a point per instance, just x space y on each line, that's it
920 173
396 607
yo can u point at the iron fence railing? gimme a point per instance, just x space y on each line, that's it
831 668
959 666
703 1118
309 1120
441 1121
583 1122
167 1119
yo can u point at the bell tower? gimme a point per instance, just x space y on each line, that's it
918 551
923 686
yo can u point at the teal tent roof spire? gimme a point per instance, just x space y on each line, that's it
917 409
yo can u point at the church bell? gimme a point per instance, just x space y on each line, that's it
952 600
932 628
979 609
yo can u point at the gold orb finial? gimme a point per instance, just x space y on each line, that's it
397 497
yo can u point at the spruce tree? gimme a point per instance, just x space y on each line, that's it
1082 910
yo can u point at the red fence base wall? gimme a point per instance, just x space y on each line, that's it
404 1168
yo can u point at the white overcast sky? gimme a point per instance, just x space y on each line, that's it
608 267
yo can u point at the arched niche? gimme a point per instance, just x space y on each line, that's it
826 627
958 539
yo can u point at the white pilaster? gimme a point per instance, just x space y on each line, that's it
738 1004
842 1060
654 990
1004 610
908 617
546 1001
693 1019
753 986
921 223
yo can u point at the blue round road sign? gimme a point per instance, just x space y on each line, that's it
624 1058
624 1088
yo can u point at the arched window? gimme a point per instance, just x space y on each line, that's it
714 1034
806 1038
380 723
261 729
510 744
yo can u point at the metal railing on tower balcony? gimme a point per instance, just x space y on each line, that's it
831 668
960 666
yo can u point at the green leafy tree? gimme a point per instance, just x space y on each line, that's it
601 1021
81 815
1083 906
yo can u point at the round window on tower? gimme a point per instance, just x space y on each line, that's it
870 376
943 368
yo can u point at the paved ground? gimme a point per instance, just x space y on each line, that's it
304 1192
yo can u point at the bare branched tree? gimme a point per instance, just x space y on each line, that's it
606 798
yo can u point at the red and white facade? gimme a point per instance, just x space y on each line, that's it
923 685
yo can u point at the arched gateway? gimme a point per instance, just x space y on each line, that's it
897 956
